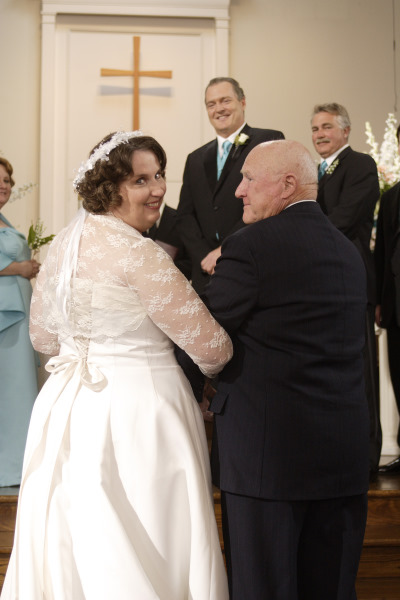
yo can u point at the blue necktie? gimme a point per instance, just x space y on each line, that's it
226 146
321 169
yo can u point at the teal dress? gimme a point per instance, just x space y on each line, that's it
18 360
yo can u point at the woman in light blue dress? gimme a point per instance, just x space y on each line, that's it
18 360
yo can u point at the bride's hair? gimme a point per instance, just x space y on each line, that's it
99 184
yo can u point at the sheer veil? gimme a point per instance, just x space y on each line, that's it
67 268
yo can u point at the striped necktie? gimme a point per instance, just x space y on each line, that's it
226 146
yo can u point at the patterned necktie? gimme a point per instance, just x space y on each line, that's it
321 169
226 146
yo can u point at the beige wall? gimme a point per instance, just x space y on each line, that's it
287 54
19 101
291 54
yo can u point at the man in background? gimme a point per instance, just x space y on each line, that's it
348 191
165 233
387 262
208 211
290 445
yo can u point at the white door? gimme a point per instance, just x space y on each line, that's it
89 106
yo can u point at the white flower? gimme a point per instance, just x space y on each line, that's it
241 139
332 167
102 152
387 161
387 157
18 193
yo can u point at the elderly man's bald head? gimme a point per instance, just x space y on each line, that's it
275 175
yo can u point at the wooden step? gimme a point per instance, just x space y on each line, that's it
377 589
379 571
8 511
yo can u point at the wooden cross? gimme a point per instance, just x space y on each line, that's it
136 74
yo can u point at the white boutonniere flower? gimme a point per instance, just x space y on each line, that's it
241 139
332 167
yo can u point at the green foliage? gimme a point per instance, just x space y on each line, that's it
36 238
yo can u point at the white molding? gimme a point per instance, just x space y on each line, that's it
222 46
219 9
47 121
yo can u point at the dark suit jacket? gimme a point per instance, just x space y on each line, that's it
167 234
387 238
208 211
291 418
348 197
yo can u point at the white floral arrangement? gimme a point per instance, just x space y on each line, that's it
20 192
387 156
387 161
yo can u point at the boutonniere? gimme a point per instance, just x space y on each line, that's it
240 140
332 167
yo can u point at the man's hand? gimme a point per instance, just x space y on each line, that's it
208 263
378 315
208 394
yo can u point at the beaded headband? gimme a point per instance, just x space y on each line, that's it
102 152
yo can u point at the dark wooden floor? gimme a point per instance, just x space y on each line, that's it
379 572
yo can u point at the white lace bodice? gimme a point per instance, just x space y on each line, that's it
121 279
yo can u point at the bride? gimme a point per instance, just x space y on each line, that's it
116 499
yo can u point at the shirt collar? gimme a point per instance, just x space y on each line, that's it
332 157
299 202
231 138
161 213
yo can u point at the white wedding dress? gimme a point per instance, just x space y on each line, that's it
116 499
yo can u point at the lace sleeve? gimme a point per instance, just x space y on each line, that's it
115 258
43 339
175 308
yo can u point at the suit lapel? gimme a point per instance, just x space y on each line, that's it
233 156
327 176
210 164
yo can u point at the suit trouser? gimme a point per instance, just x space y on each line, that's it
300 550
372 389
393 343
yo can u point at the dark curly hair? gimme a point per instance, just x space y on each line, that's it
8 168
99 188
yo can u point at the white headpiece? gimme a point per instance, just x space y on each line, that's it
102 152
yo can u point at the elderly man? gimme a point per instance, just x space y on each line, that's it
208 211
290 447
348 191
